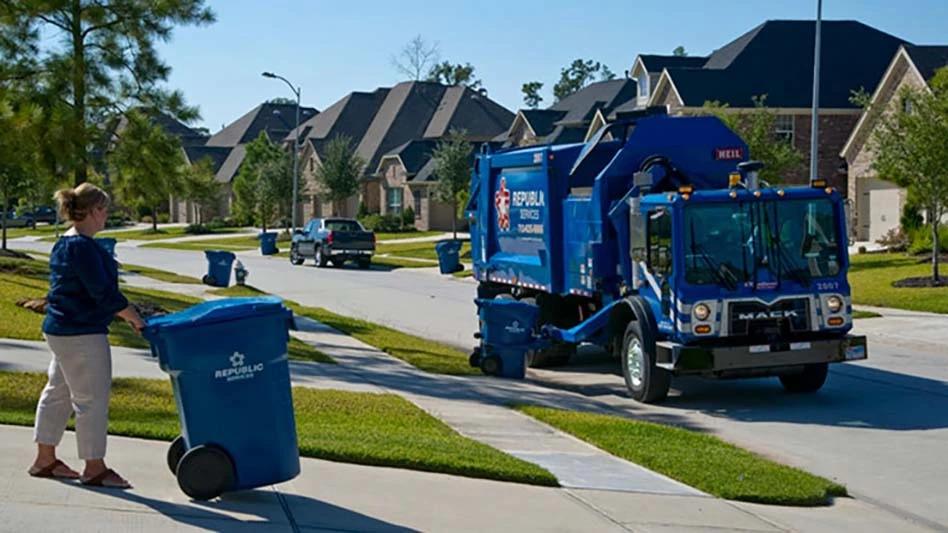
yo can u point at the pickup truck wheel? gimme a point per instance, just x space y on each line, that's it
295 256
365 264
647 383
811 379
321 260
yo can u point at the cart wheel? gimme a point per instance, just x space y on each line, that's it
205 472
491 365
474 359
208 279
175 453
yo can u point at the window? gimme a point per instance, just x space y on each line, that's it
906 105
643 84
783 125
417 194
660 241
393 202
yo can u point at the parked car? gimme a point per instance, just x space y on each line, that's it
14 221
43 213
333 240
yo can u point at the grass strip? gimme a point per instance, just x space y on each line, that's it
865 314
702 461
871 277
420 353
381 237
231 244
351 427
160 275
418 250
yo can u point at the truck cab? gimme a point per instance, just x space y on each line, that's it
333 240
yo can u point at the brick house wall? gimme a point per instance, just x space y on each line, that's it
835 128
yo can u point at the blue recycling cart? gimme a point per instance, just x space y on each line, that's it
229 370
449 256
507 334
268 242
219 264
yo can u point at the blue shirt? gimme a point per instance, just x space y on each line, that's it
84 292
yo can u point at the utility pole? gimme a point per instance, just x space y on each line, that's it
815 124
296 145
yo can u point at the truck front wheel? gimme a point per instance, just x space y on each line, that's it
647 383
811 379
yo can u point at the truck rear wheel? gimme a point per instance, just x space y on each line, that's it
810 380
647 383
321 260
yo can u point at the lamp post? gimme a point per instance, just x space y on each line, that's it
296 143
815 125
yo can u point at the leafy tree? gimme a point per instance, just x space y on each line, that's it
449 74
416 58
453 166
908 145
758 129
282 100
679 51
531 93
106 62
338 175
259 187
579 74
200 186
18 164
147 163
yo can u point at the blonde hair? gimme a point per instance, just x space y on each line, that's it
75 204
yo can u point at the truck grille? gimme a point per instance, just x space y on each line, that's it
768 322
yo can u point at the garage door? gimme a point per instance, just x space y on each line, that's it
883 212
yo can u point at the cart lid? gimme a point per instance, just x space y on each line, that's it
215 311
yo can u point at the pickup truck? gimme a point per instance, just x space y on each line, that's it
333 240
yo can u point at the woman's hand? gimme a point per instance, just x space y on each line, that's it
130 315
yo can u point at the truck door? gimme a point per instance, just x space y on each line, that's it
660 261
306 247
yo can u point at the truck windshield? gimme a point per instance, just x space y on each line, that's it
729 244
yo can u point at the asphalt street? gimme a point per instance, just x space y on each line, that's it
879 426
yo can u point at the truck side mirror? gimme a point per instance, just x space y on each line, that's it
848 210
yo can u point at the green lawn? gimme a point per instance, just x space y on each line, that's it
161 275
362 428
421 353
696 459
418 250
42 230
231 244
21 279
871 277
406 235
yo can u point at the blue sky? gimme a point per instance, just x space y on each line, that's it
331 48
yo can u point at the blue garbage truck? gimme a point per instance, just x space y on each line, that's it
658 241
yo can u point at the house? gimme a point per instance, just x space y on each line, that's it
776 59
572 119
394 130
226 150
878 203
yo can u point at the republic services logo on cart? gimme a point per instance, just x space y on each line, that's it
238 369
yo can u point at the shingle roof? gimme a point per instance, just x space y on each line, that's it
231 165
543 121
172 126
581 105
275 119
217 155
928 59
414 154
656 63
776 58
388 118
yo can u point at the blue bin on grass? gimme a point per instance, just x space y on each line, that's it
448 256
108 243
228 365
268 242
218 268
506 336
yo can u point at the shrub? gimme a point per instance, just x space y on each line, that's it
363 211
408 217
164 218
922 240
198 229
894 240
147 219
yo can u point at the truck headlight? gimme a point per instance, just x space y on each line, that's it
702 312
834 303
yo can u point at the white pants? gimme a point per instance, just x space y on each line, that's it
80 381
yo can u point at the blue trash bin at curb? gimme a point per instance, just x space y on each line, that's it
268 242
229 371
507 335
219 265
108 243
448 256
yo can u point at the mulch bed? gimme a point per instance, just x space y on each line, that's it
14 254
915 283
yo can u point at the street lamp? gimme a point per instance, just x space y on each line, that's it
296 143
815 124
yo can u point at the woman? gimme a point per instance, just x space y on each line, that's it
83 299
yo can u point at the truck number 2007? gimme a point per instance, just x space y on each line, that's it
827 285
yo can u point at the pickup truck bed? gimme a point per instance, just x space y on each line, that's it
333 240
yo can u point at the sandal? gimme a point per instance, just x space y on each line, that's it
50 471
108 479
